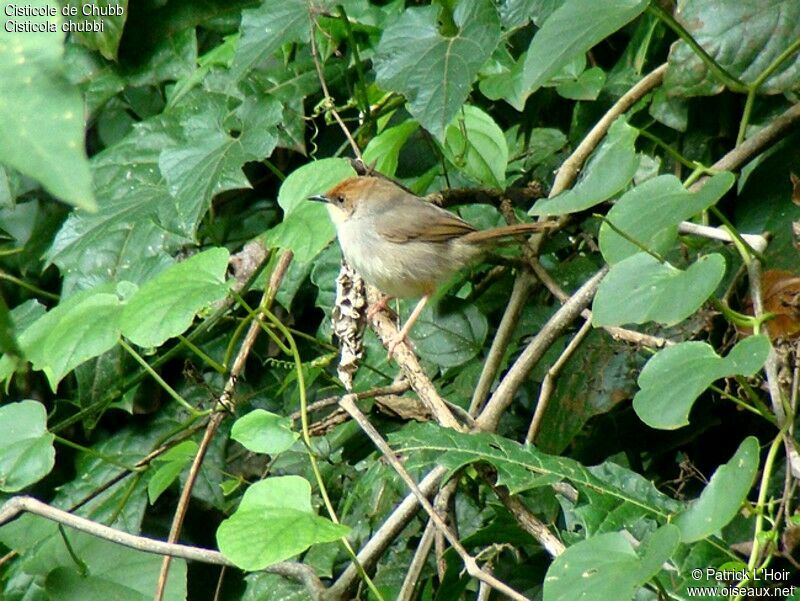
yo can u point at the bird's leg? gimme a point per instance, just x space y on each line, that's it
376 308
403 334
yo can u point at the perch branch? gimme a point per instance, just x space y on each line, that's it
16 505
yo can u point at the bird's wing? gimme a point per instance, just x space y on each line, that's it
426 223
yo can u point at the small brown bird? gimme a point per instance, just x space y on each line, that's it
403 245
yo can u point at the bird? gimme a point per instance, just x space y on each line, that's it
403 245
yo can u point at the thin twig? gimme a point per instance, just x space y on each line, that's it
224 404
387 331
569 169
16 505
516 303
616 332
442 504
394 388
387 532
418 562
755 144
473 569
555 326
330 105
530 523
548 384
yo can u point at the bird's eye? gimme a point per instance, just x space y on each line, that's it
339 200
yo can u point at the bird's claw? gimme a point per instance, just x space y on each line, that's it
394 342
376 308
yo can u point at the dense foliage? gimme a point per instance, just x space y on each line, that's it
167 295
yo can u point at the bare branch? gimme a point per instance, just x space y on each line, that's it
16 505
548 385
554 327
474 570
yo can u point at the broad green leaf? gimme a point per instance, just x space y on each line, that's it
581 393
672 111
256 538
520 467
475 145
586 86
261 431
165 306
105 41
267 27
610 169
743 37
383 150
606 567
640 289
650 214
450 336
171 465
722 498
113 572
274 522
306 228
8 342
22 316
432 70
571 30
26 447
675 376
145 216
41 114
85 325
316 177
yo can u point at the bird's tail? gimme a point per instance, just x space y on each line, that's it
519 229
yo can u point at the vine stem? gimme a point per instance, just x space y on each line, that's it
718 70
310 448
225 402
769 464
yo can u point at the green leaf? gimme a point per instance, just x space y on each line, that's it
274 522
165 306
452 336
105 41
650 213
26 447
742 37
263 432
476 145
41 114
606 567
640 289
85 325
586 87
8 342
571 30
675 376
610 169
432 70
306 228
521 467
112 572
22 317
384 149
722 498
173 462
266 28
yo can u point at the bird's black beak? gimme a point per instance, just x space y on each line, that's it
319 198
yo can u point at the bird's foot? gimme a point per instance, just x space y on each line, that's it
376 308
396 341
